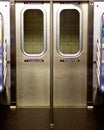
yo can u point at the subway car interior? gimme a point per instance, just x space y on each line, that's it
52 64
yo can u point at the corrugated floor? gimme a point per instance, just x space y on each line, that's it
38 119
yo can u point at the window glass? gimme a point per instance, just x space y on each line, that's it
69 31
33 31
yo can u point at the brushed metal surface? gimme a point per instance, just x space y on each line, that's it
69 79
33 78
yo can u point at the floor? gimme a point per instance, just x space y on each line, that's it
64 119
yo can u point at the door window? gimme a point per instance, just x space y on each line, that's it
34 32
69 32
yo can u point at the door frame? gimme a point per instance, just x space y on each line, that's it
13 52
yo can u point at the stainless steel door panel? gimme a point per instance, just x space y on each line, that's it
32 71
70 74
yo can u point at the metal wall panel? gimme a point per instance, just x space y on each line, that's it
97 43
13 53
90 56
5 12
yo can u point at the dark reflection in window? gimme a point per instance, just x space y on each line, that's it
69 31
33 31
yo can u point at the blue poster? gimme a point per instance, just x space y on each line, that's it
0 50
103 29
102 78
1 77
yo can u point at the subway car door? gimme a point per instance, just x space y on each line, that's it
33 55
70 55
4 52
